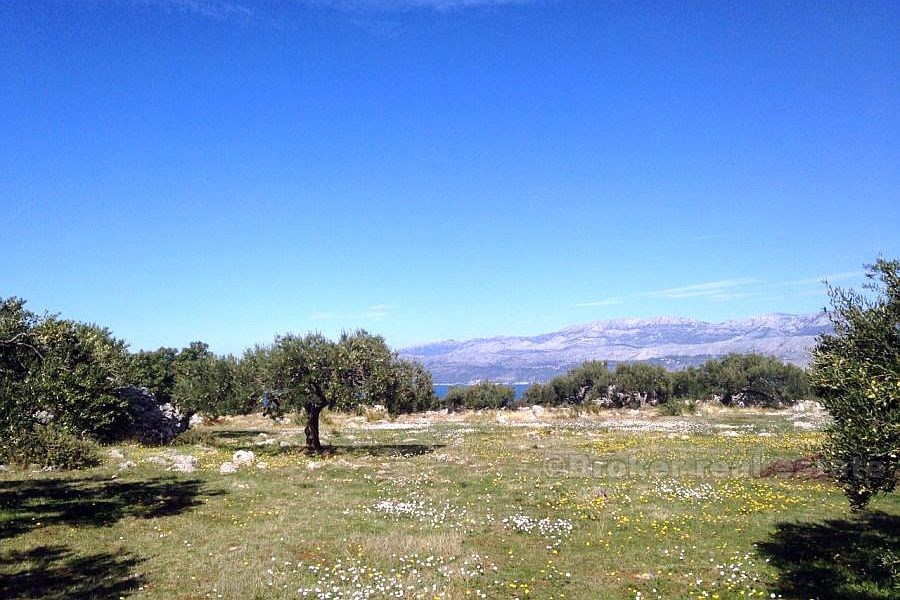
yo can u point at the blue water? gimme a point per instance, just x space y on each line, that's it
441 389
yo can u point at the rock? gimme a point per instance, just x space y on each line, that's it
196 419
184 463
284 444
152 423
807 406
804 425
128 464
243 457
538 411
730 433
3 468
174 461
266 442
313 465
116 454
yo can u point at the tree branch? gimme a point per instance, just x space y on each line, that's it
12 342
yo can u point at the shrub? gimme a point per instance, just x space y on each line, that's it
194 436
52 446
479 396
57 367
740 379
675 407
373 414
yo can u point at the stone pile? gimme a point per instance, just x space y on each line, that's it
151 422
173 461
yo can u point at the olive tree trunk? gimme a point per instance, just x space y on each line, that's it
312 428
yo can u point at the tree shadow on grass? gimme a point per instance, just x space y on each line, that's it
378 450
236 434
57 573
837 559
92 501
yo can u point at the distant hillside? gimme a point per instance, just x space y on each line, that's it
670 341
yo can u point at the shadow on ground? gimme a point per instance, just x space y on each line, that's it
245 439
376 450
56 573
837 559
236 434
92 501
382 450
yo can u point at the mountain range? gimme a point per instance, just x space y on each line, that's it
674 342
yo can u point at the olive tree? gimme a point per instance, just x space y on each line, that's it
20 355
252 378
480 396
58 381
60 370
754 379
204 382
410 388
312 373
154 370
856 372
642 383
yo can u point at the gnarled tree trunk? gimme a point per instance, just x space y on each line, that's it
312 428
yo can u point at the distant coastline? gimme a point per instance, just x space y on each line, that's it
673 342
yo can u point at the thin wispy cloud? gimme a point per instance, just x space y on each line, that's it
718 291
379 18
699 290
606 302
831 277
216 9
736 288
376 312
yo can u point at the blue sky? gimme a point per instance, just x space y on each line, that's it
226 170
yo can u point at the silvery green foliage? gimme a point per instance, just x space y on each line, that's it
60 368
856 372
312 373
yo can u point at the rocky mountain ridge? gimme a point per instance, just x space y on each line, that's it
675 342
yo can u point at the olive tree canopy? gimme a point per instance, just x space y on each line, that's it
856 372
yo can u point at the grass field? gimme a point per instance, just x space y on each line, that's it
483 505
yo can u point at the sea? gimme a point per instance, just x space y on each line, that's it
442 388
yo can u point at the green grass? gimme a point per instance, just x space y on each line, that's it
615 505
